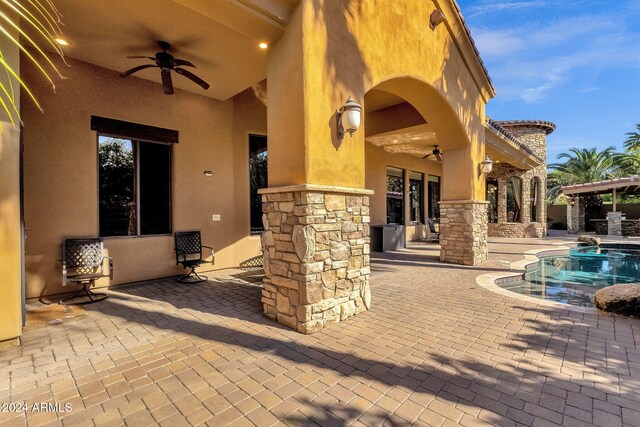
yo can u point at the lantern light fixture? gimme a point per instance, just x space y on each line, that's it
486 166
348 118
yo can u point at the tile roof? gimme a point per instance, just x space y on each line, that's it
548 127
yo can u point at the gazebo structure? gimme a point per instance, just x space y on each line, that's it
615 224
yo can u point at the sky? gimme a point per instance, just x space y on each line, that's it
575 63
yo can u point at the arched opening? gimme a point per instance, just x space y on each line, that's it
534 198
514 199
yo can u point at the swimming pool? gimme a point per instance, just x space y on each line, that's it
575 278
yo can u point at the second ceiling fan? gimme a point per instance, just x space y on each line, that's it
167 63
436 152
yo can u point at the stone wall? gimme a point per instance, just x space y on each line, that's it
463 231
534 137
516 229
316 257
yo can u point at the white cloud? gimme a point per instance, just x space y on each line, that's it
501 6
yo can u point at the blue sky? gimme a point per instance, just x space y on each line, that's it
572 62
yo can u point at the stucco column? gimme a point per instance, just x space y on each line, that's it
316 210
11 229
614 220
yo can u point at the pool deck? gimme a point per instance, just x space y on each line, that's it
436 349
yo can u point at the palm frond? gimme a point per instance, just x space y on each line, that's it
28 24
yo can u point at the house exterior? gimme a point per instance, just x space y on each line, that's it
269 118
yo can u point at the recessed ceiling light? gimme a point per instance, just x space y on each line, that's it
62 42
263 45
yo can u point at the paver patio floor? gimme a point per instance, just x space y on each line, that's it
436 349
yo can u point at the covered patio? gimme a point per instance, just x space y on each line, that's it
616 223
435 349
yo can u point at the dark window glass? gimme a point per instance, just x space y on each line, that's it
155 188
535 188
117 188
395 196
492 198
258 173
434 197
416 197
135 187
514 199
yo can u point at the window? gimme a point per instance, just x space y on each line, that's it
492 198
534 194
257 179
514 199
416 197
433 185
134 187
395 196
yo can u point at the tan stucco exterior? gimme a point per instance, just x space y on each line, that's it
61 174
342 52
328 51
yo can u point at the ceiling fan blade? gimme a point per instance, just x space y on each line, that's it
426 156
141 57
136 69
197 80
439 157
184 63
166 81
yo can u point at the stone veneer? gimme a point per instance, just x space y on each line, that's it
517 229
316 255
614 223
576 216
535 138
463 231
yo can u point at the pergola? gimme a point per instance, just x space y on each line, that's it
575 209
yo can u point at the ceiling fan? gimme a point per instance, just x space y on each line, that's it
437 153
167 63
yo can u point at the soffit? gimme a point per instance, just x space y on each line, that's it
220 37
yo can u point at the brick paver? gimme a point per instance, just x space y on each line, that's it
436 349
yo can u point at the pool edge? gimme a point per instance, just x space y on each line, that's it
517 271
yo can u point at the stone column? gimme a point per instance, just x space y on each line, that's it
463 231
575 217
316 255
614 220
502 200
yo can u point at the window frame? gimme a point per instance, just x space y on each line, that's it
265 136
436 208
402 198
421 204
136 141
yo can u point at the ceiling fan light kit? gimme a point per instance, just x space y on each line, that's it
167 63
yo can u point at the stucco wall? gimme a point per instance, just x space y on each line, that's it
61 190
10 216
347 51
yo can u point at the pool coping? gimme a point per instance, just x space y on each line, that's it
519 268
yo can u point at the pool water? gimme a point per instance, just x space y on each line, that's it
575 278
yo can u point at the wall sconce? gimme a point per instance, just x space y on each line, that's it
486 166
208 173
571 201
348 118
436 18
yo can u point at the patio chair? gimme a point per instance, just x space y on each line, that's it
432 229
83 262
189 255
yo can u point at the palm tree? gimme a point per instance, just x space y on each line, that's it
582 165
632 143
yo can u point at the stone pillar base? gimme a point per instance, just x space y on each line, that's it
316 255
614 220
463 231
576 216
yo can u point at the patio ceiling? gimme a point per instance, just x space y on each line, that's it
220 37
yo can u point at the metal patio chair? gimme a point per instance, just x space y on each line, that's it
189 254
83 262
432 229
